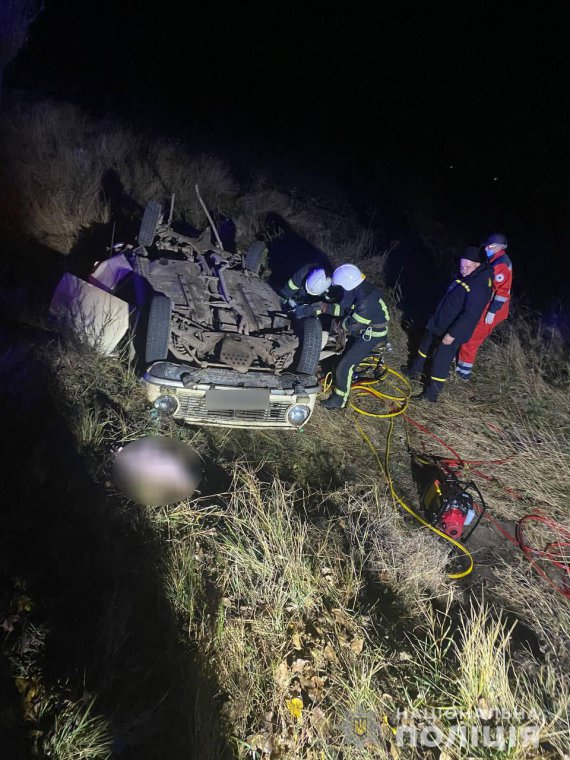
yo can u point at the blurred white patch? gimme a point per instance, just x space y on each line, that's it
157 470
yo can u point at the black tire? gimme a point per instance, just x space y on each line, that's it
254 258
311 335
150 221
158 328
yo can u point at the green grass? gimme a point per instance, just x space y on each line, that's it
77 734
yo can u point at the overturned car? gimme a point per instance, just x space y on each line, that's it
209 335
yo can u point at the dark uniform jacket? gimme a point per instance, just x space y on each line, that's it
365 312
295 286
461 307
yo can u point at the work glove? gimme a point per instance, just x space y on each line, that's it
305 310
489 318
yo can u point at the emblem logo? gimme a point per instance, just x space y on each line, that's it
362 728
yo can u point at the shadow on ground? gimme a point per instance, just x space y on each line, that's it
93 568
289 251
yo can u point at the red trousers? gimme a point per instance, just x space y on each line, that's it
468 350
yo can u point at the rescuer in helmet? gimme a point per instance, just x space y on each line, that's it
498 309
364 318
307 283
453 323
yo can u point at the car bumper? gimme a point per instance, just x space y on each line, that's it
192 407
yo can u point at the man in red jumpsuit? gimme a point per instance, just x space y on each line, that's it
498 308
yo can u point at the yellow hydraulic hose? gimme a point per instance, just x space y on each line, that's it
400 403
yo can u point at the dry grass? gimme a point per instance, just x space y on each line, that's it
499 424
50 184
103 400
407 558
261 199
482 683
55 159
276 583
545 612
470 670
281 613
510 411
285 623
163 168
380 532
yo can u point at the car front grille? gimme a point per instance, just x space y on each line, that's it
194 408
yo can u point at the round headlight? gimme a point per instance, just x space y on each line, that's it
166 404
298 414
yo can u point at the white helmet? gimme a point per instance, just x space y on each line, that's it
317 282
347 276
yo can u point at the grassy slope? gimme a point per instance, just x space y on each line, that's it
301 580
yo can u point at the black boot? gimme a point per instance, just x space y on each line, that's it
431 392
334 401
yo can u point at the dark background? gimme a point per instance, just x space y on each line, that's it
464 107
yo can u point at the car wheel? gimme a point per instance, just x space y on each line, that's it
158 328
310 345
254 258
150 221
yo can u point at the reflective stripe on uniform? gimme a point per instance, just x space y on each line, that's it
376 333
464 284
424 356
501 299
384 309
360 319
464 364
345 393
291 284
439 379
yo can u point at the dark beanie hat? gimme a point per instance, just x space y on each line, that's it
472 253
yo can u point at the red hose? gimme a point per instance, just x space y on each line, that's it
531 553
546 554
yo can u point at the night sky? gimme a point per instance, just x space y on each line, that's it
463 104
